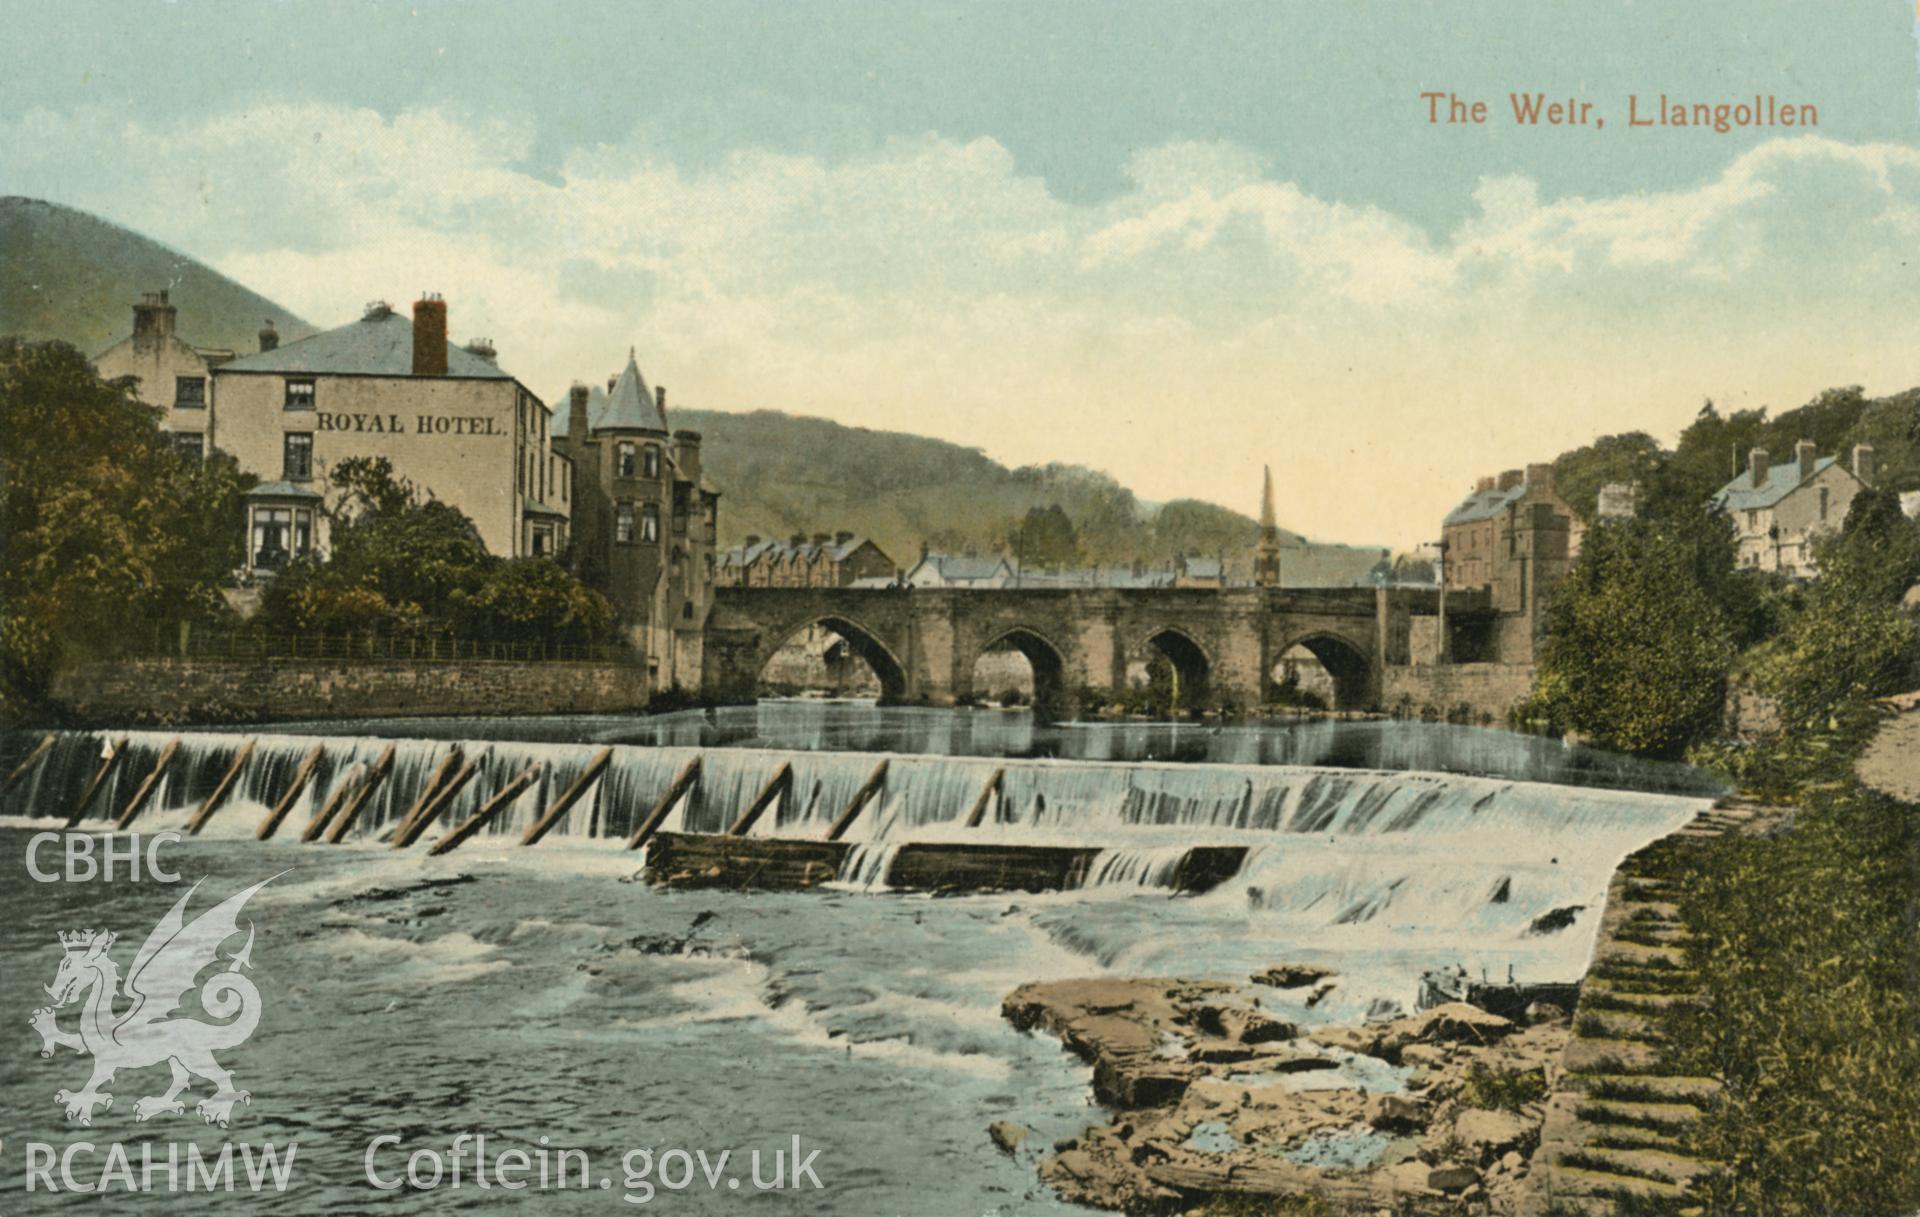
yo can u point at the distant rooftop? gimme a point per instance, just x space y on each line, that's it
379 344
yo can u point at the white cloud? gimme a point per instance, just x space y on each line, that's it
1211 318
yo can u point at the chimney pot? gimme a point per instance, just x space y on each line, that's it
1757 467
430 336
612 381
1804 455
1863 467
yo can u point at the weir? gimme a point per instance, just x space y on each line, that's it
1274 835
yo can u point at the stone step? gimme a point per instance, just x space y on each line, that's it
1659 1166
1614 1025
1642 1001
1670 1089
1608 1057
1630 953
1594 1111
1593 1190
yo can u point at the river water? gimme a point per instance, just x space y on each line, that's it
528 993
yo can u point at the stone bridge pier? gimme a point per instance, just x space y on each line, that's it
923 643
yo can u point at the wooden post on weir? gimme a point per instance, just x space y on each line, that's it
25 767
979 811
441 773
410 831
361 797
689 773
220 792
775 787
140 796
343 794
560 806
478 820
99 779
300 777
860 799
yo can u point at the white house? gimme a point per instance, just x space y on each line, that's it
1778 510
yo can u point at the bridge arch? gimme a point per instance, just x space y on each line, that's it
860 640
1051 700
1189 659
1346 665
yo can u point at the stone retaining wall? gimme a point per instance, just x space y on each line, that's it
1489 691
134 691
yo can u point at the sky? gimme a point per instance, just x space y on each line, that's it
1173 242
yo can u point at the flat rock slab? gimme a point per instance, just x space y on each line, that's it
1891 763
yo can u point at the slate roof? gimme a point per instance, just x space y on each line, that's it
282 490
954 567
630 406
379 344
1782 480
1485 504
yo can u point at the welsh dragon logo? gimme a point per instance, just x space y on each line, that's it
153 1027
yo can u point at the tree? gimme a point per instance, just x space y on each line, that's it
101 522
1638 647
1849 642
1046 539
1578 475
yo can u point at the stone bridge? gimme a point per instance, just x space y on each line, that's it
922 643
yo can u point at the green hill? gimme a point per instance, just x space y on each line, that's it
781 474
69 275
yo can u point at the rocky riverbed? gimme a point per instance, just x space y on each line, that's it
1212 1095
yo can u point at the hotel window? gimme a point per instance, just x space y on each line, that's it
650 522
623 463
1753 520
280 534
189 392
653 462
300 394
1823 504
623 524
297 464
189 445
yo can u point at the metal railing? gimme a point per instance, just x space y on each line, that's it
179 640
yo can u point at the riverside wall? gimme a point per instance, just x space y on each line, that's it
134 691
1488 691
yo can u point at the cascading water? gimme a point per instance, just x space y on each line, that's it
1373 874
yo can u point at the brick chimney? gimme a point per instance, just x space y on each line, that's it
841 538
1483 485
1510 478
1804 455
269 337
430 336
660 399
153 320
821 538
1863 463
1540 476
483 348
753 539
577 414
1757 467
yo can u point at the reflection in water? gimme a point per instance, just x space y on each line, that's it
860 726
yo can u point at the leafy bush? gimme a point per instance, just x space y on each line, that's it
1503 1089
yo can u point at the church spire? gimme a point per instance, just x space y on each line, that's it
1266 561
